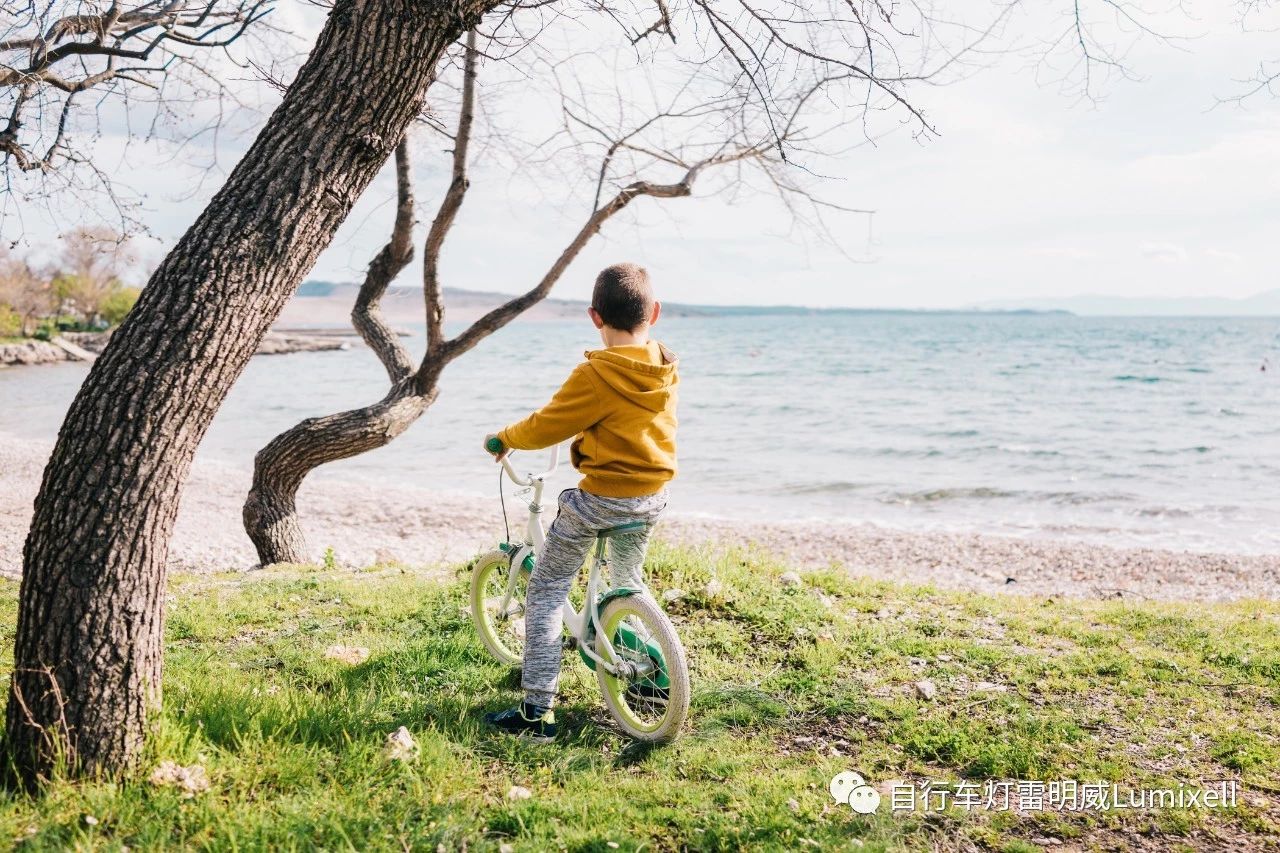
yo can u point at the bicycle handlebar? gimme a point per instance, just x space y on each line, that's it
530 479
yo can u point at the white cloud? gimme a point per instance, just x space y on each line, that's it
1233 259
1167 253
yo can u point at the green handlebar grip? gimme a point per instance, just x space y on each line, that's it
494 445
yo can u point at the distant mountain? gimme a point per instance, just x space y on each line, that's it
1265 304
327 303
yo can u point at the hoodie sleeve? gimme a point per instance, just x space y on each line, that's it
575 407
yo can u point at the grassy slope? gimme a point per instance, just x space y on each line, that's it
792 686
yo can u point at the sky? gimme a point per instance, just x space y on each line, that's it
1027 192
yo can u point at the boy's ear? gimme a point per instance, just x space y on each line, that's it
595 318
656 313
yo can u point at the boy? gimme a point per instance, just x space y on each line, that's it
621 405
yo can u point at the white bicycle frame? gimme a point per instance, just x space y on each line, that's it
535 538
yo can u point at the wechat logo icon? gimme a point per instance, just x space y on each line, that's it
849 787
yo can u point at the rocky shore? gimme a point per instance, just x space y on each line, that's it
64 347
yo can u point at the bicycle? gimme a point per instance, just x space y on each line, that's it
622 634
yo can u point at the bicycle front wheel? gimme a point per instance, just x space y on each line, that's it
501 627
653 705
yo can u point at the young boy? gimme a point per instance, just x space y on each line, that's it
621 405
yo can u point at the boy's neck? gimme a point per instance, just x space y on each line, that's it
618 338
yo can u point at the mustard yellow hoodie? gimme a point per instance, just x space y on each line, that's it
621 405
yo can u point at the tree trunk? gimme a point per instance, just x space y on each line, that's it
87 656
270 514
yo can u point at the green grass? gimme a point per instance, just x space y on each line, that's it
791 686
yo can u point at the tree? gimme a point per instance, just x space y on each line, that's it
61 60
698 128
91 271
25 291
88 648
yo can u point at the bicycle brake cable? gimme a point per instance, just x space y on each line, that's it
502 500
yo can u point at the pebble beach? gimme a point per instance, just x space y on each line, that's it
366 524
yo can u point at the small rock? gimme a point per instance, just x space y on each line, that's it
713 588
504 847
190 780
826 600
612 845
90 820
990 687
350 655
944 658
673 594
400 746
925 689
519 792
790 579
793 804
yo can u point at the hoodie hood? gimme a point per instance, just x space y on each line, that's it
644 374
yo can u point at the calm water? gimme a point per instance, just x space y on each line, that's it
1129 431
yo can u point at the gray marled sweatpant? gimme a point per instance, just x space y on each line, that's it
570 539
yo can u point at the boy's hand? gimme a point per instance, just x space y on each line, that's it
490 442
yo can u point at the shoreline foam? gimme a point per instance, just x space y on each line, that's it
367 523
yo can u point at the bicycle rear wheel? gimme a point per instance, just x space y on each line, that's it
501 630
652 706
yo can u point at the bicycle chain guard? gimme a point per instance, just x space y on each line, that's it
626 637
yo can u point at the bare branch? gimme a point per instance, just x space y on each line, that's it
450 205
125 50
366 316
505 313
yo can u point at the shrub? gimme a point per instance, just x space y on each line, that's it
10 322
117 304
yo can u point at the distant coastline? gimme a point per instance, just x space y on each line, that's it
325 303
405 303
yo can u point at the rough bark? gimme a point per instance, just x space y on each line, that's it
270 511
88 651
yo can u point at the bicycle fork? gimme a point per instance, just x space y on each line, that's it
619 667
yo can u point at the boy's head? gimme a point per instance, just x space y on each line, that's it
623 299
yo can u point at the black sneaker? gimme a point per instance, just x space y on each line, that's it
521 722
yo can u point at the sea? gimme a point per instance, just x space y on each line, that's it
1160 432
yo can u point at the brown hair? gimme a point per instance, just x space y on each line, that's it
623 297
